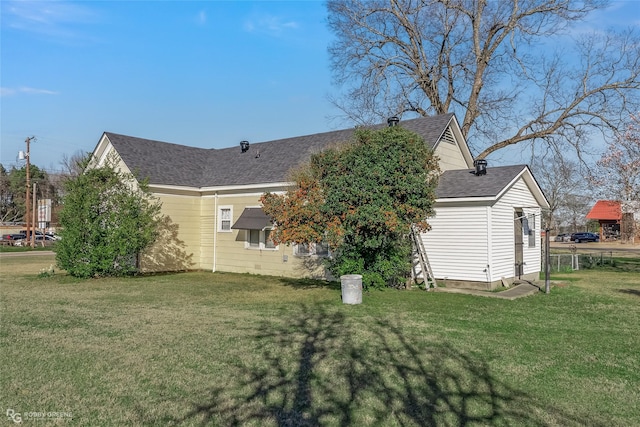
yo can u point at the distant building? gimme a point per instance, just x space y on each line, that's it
609 214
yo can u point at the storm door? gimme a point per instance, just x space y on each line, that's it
519 242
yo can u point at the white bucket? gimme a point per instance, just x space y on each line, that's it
351 288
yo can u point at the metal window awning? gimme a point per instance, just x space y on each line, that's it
252 219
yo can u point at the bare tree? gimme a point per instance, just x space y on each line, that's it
503 66
74 165
618 176
573 212
618 170
564 186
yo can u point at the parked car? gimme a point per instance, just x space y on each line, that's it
562 237
52 236
37 232
45 237
584 237
23 241
13 237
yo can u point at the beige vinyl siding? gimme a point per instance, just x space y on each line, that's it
207 229
177 248
232 255
450 155
105 151
457 242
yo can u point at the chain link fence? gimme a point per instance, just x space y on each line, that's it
574 261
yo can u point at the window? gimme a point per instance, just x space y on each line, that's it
306 249
254 238
528 231
224 218
322 249
532 232
259 239
268 243
303 249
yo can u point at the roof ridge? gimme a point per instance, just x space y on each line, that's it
264 162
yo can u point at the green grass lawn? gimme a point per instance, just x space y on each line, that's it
228 349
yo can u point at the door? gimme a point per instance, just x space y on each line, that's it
519 242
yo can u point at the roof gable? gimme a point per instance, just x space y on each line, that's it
453 134
465 184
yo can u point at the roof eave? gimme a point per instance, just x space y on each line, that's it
481 199
226 188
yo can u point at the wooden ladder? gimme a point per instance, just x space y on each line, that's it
427 274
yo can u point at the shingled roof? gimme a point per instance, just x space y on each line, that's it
165 163
464 183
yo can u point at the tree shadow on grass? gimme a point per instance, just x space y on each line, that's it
311 368
309 283
635 292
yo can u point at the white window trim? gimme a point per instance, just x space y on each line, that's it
262 246
312 252
219 216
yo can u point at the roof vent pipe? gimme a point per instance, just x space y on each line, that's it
244 146
393 121
481 167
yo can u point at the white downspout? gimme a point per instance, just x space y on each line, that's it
489 243
215 232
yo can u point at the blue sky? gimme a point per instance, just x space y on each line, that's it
200 73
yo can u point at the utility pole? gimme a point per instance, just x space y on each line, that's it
33 216
27 203
547 262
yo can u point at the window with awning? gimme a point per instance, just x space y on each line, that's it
252 219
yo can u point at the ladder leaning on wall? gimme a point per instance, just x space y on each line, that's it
427 274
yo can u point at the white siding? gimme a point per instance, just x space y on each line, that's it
503 239
502 263
457 243
475 242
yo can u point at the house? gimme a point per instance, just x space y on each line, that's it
487 227
211 201
608 213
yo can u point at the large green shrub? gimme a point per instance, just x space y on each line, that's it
107 219
362 198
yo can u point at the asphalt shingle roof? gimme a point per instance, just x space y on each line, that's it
266 162
465 183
